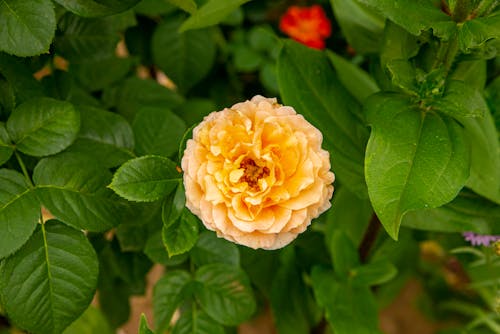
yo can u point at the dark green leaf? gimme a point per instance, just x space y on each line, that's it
28 26
143 326
104 135
225 293
211 13
19 211
43 126
414 159
398 44
157 131
475 33
212 249
262 38
6 148
181 236
186 5
425 15
173 206
72 188
344 254
348 309
194 109
461 100
146 179
154 8
169 293
49 282
308 82
361 25
197 322
95 8
99 74
21 79
90 322
156 251
132 238
187 57
373 273
246 59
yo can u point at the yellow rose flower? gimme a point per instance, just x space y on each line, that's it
256 174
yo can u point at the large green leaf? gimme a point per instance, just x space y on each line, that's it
425 15
104 135
20 78
186 57
50 281
6 148
169 293
19 211
196 322
309 83
415 159
93 8
475 33
157 131
146 179
72 188
181 235
211 13
43 126
461 100
90 322
361 25
186 5
374 273
348 309
28 26
225 293
211 249
99 74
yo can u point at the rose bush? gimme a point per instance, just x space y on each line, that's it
256 173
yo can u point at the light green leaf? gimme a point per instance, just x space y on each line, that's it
169 293
146 179
28 26
212 249
173 205
211 13
50 281
374 273
194 109
180 236
467 212
308 83
157 131
414 159
196 322
186 5
225 293
92 8
105 136
143 326
19 211
72 188
461 100
475 33
343 253
361 25
90 322
355 79
187 57
474 72
348 309
6 148
43 126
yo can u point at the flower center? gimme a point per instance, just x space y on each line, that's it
252 173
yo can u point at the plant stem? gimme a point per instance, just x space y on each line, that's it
25 171
461 10
369 238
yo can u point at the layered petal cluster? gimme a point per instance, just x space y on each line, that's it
307 25
256 173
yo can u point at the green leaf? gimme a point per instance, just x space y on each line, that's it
225 293
211 249
461 100
132 238
28 26
72 188
361 25
414 159
104 135
246 59
348 309
49 282
374 273
157 131
194 109
425 16
475 33
6 149
43 126
344 254
186 5
93 8
156 251
308 82
143 326
474 72
19 211
196 322
186 58
135 93
169 292
91 321
146 179
99 74
180 236
20 77
173 205
355 79
211 13
467 212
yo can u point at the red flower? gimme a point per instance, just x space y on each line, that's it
307 25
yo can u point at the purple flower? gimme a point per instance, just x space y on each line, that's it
480 239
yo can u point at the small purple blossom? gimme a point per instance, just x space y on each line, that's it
480 239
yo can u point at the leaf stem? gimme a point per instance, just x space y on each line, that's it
461 10
25 171
369 238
